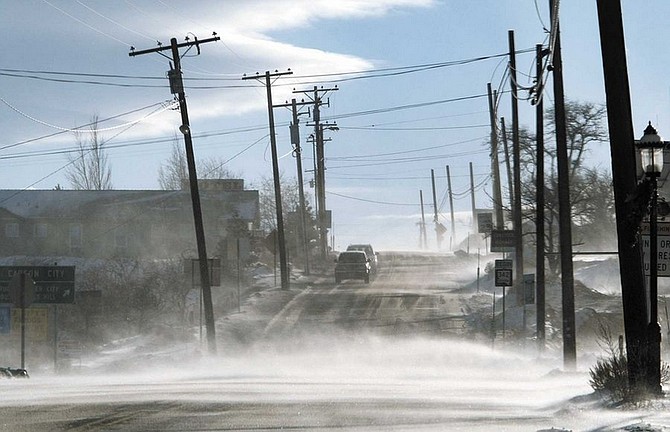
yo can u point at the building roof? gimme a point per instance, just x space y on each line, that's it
53 203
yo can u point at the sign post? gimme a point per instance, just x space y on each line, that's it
503 278
21 289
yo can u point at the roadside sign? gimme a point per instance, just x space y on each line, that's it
502 241
663 243
37 324
484 223
53 284
503 273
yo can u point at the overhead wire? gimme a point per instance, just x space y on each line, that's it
115 22
65 129
371 201
357 157
86 24
78 127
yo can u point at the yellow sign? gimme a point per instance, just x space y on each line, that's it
37 324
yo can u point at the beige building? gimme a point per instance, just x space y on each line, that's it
125 223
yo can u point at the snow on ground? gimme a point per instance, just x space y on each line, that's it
502 379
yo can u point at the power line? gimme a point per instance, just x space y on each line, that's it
85 23
416 159
371 73
372 201
357 157
166 107
115 22
412 129
78 127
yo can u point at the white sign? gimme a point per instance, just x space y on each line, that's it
484 223
503 273
663 248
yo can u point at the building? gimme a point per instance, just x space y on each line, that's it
125 223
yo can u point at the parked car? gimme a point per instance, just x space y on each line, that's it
352 265
367 248
8 372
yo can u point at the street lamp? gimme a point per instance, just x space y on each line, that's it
651 156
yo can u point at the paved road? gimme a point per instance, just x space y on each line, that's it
384 356
411 293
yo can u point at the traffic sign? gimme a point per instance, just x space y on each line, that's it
503 273
663 248
484 223
502 241
53 284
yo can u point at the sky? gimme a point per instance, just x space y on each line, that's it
411 79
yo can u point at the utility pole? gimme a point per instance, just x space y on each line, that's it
564 218
495 164
435 216
281 239
297 153
320 164
472 199
516 211
177 87
423 240
539 199
451 209
624 176
508 163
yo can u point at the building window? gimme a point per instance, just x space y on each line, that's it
40 230
12 230
75 237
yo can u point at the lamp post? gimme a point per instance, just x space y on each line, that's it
651 156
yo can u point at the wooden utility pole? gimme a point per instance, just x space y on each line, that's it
297 150
451 209
316 96
435 215
472 199
624 176
423 240
539 199
281 239
508 163
564 207
177 87
516 211
495 164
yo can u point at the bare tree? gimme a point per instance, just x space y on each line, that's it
89 168
173 173
591 196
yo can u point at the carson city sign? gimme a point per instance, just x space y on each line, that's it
53 284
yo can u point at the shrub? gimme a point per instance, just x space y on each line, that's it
609 376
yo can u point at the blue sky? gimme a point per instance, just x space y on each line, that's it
376 164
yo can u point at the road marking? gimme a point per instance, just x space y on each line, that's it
286 315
